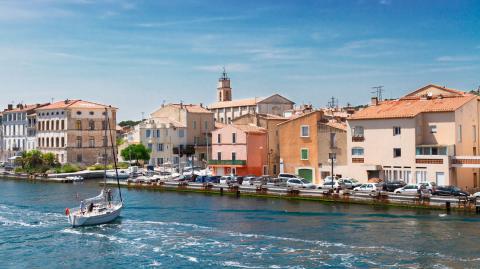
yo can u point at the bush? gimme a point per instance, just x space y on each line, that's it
68 168
19 170
96 167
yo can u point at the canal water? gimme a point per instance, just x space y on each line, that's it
187 230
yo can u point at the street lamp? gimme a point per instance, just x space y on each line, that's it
332 156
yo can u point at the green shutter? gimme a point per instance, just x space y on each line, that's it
304 154
306 174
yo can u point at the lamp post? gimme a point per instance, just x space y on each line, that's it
332 156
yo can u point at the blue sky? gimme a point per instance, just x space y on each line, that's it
136 54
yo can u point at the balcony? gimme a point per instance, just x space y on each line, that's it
466 161
358 138
228 162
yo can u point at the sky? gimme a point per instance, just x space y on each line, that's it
136 55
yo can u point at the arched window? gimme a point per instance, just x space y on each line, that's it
63 142
48 142
78 125
91 125
57 125
57 142
47 125
63 124
52 142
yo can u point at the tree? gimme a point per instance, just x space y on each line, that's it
129 123
136 152
50 159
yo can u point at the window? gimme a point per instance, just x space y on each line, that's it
397 152
234 156
63 124
91 113
304 154
79 158
79 112
78 125
234 138
357 151
459 134
229 120
63 142
194 124
91 125
91 141
219 138
206 125
79 142
105 141
219 156
181 133
333 140
104 125
160 147
397 130
150 146
148 133
158 132
433 129
474 133
304 131
160 161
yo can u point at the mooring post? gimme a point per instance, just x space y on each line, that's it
238 193
447 206
221 190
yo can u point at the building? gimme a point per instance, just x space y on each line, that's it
17 129
74 130
199 123
270 124
1 139
161 136
226 109
430 134
306 142
239 150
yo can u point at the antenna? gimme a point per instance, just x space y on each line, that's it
379 92
333 103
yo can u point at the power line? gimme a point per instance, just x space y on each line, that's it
378 92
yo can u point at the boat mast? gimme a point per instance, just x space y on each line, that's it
105 156
114 155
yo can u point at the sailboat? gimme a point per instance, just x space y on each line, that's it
102 208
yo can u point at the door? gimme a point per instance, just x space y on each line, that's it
306 174
440 178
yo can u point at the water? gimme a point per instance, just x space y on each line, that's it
183 230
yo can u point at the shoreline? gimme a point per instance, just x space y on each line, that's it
356 198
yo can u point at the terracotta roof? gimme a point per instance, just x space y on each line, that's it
411 107
297 116
164 120
444 89
79 104
337 125
250 128
235 103
219 125
272 117
191 108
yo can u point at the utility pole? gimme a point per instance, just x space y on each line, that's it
379 92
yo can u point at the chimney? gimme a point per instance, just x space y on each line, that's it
374 101
66 101
201 105
181 104
10 107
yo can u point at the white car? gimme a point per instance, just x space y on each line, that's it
408 189
329 185
300 183
329 178
367 187
428 185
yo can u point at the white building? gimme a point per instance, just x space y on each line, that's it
164 137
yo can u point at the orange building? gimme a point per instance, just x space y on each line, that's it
239 149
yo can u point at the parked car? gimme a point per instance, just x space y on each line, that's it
391 186
300 183
367 187
449 191
408 189
286 175
228 180
252 180
329 178
329 185
277 182
348 183
430 186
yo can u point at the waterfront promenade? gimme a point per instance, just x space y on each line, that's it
186 230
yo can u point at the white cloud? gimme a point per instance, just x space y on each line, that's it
367 48
457 58
186 22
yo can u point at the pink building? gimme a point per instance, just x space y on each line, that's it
240 150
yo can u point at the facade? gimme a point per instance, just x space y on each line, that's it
17 131
239 150
74 130
226 109
268 122
161 136
199 123
306 142
430 134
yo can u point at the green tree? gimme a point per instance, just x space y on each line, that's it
50 159
129 123
136 152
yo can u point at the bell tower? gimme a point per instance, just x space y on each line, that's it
224 92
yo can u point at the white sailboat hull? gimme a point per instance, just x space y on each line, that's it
77 219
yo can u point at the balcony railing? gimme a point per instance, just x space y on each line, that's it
227 162
358 138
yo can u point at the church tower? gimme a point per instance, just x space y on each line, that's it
224 92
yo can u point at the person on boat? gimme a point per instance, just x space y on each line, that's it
109 197
90 207
82 207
